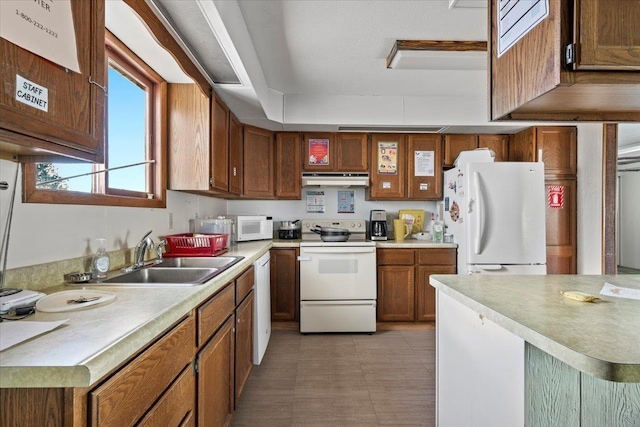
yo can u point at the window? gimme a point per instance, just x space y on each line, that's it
135 144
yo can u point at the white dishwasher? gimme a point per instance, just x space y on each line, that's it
261 307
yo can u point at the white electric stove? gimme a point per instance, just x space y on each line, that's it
337 279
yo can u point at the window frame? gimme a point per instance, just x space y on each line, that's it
156 142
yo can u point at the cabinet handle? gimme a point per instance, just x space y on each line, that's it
239 320
234 171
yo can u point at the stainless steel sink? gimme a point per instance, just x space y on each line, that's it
220 262
159 276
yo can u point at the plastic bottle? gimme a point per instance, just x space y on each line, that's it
438 231
100 264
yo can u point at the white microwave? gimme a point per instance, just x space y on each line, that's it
252 227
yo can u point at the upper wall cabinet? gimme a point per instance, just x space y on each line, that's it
219 145
258 163
236 168
405 167
454 144
69 119
330 152
287 166
580 63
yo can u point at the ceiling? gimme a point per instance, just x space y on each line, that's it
321 64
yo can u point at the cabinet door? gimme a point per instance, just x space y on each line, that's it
319 152
608 33
387 167
258 163
285 274
215 378
522 146
244 343
454 144
177 405
426 294
558 145
73 123
561 229
189 143
424 174
499 144
219 145
131 392
236 171
351 152
288 163
396 293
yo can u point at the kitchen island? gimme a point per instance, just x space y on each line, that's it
512 350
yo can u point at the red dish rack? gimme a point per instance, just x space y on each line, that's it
191 244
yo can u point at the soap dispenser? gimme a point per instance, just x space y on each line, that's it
100 263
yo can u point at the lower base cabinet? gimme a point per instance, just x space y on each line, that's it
192 374
404 293
285 284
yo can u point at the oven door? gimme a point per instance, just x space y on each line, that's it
337 273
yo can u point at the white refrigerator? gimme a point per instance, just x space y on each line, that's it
496 213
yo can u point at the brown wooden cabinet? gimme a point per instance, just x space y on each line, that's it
579 63
219 145
424 185
347 152
126 397
499 144
558 147
216 377
258 163
244 343
73 123
285 284
236 168
404 293
392 167
288 166
456 143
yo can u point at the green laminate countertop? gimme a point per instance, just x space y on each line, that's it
97 339
601 339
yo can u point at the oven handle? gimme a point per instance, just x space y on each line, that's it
336 303
304 258
339 250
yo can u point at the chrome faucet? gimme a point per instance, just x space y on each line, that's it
139 252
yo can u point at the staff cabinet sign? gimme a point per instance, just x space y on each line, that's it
516 18
32 94
43 27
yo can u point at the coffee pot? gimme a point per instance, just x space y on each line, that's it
378 225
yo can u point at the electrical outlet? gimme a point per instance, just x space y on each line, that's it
170 220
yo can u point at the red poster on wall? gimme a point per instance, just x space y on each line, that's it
318 152
555 197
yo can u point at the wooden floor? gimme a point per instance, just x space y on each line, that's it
384 379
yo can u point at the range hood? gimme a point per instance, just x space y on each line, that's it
335 179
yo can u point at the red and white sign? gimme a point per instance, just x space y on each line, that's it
555 198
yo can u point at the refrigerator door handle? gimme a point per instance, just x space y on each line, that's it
480 214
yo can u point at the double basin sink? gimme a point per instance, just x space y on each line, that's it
184 271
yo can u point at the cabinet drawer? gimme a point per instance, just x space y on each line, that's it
212 314
395 256
176 405
436 256
244 284
124 398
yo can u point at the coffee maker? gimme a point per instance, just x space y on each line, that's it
378 225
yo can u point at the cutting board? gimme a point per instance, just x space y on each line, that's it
418 215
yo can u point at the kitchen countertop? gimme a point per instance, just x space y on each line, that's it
96 340
409 243
599 338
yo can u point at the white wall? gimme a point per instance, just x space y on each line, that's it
590 198
629 217
296 209
43 233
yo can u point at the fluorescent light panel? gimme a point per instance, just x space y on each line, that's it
438 55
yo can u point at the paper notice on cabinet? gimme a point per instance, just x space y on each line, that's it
619 292
388 158
43 27
424 163
15 332
516 18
